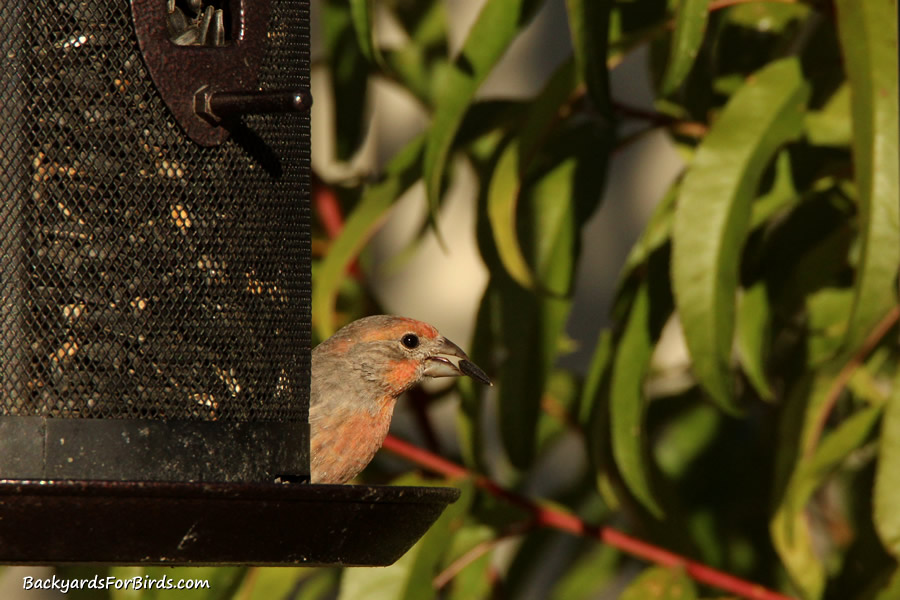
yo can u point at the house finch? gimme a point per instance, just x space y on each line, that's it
357 376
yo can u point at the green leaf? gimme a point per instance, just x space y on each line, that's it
782 193
656 233
686 438
263 583
793 540
690 26
474 580
887 478
838 444
361 13
470 429
349 72
713 213
627 401
497 25
401 173
589 26
591 575
831 126
891 589
827 312
790 526
560 402
753 324
868 35
531 324
506 182
597 370
410 577
503 198
661 583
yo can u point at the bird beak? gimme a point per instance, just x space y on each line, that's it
449 360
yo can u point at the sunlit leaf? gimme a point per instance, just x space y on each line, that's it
627 400
790 526
713 213
503 199
831 126
661 583
868 34
473 581
887 479
690 25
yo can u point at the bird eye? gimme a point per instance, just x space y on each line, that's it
410 340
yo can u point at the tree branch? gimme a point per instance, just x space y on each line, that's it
556 518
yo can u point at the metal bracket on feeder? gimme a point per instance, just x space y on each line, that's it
216 107
176 67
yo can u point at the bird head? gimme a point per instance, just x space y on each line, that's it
397 352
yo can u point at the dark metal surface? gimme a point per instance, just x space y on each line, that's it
179 71
149 450
166 523
217 106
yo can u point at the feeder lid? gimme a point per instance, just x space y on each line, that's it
170 523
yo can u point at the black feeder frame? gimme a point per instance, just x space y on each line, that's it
154 294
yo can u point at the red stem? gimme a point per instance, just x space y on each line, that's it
843 377
555 518
328 209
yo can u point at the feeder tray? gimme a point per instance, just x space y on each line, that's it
155 294
213 523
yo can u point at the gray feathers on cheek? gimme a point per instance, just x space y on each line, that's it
356 379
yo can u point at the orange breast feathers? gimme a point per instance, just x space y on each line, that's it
351 443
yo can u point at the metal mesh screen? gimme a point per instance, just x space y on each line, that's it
141 275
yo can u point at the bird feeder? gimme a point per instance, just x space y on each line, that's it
155 293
